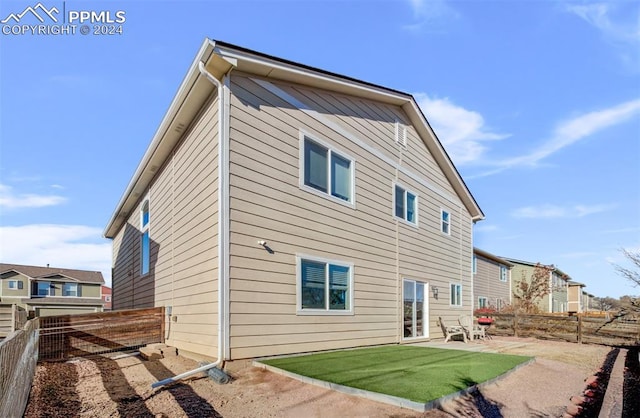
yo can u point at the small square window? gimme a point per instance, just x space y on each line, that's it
13 285
70 289
43 289
482 302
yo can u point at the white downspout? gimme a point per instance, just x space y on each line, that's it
223 228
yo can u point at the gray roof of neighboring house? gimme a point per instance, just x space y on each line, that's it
561 273
36 272
488 255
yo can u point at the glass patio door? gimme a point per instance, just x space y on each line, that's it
414 309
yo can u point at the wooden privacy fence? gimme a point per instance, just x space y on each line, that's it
12 317
65 336
582 329
18 358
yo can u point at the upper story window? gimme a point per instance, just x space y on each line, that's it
474 265
324 286
503 274
405 204
456 294
44 289
15 284
482 302
144 239
445 222
326 171
70 289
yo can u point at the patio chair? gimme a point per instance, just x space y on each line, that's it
450 331
471 329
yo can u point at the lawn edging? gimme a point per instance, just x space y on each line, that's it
384 398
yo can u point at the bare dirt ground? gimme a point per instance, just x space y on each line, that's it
103 387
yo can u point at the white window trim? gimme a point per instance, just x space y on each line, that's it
486 302
393 204
442 223
145 228
474 265
299 310
12 288
425 325
455 284
302 134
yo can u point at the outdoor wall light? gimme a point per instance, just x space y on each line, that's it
434 289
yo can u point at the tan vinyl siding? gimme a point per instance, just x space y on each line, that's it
183 230
487 283
268 204
5 292
517 273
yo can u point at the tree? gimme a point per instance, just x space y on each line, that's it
607 303
630 303
529 291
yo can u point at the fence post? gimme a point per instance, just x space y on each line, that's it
515 324
579 329
13 317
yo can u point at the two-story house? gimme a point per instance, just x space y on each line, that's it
45 291
557 298
282 208
491 280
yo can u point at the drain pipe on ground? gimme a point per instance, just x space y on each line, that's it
216 374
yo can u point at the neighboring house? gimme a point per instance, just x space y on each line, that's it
106 297
491 280
281 208
45 291
557 299
588 302
574 297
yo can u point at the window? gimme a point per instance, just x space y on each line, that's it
70 289
474 265
324 286
44 289
456 294
405 204
499 304
482 302
503 274
326 171
414 309
445 222
144 239
107 298
13 284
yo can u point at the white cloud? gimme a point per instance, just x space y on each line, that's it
430 15
549 211
570 132
10 200
65 246
462 131
600 16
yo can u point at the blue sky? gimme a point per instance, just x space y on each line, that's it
537 103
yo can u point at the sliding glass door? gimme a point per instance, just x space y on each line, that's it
414 309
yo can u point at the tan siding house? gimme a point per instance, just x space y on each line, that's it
45 291
557 299
491 280
283 209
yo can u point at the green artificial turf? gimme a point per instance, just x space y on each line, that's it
419 374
